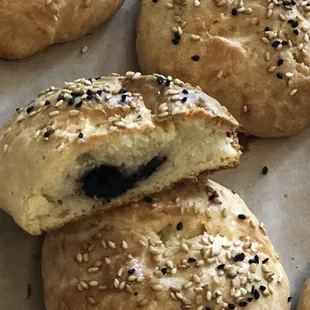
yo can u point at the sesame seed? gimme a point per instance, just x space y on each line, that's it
84 49
157 288
93 283
124 245
91 300
107 260
93 269
79 257
293 92
111 244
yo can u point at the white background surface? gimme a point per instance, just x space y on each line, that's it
280 199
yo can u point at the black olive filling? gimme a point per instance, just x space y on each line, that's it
109 181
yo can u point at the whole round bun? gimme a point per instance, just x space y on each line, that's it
99 143
29 26
304 297
196 246
252 56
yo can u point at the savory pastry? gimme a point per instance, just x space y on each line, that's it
98 143
196 246
251 55
29 26
304 298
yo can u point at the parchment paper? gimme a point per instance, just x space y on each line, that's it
280 199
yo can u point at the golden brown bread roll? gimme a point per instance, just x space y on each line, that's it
196 246
99 143
252 56
29 26
304 297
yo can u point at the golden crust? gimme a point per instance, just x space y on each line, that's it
240 57
29 26
47 144
304 297
181 247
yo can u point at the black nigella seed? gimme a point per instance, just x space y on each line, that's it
290 21
295 24
231 306
81 135
234 12
250 299
78 105
47 134
265 170
155 1
276 43
296 31
192 260
160 80
47 103
17 109
180 226
290 299
265 260
207 308
164 270
124 98
175 41
267 29
131 271
241 217
89 92
185 91
147 199
220 267
99 92
239 257
30 109
256 294
168 82
71 101
196 58
136 293
243 304
184 99
284 43
122 91
262 288
90 97
280 62
60 202
279 76
256 259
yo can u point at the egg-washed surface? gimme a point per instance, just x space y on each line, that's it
115 139
252 56
193 247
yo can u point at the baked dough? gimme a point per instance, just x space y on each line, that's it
29 26
103 142
304 298
196 246
251 55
